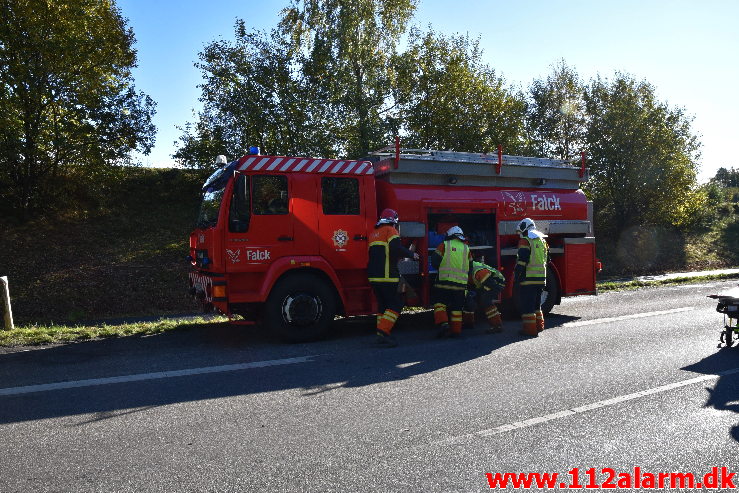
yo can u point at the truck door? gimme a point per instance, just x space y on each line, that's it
342 223
260 222
343 229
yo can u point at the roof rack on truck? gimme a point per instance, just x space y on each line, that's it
434 167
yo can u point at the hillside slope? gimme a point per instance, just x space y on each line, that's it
124 260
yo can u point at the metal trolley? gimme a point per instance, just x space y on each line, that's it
728 304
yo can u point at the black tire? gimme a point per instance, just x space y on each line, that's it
300 308
551 294
728 334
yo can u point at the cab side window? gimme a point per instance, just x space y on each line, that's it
270 195
239 212
340 196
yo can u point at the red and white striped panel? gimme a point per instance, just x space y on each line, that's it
305 165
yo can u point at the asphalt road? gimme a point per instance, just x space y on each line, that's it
620 380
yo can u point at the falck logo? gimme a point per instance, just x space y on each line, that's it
514 202
234 255
341 238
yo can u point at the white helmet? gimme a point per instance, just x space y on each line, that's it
455 231
526 224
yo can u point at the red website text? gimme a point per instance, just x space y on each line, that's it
609 478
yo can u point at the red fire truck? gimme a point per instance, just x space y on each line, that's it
283 240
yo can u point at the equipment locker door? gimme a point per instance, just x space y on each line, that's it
579 270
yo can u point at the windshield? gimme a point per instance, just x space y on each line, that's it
213 195
209 209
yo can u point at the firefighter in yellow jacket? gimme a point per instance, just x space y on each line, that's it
385 250
452 259
486 283
531 275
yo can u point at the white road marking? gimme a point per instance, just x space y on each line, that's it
597 405
627 317
151 376
406 365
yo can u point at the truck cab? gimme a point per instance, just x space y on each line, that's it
284 239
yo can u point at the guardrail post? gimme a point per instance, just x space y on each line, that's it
5 293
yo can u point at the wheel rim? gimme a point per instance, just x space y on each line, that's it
301 309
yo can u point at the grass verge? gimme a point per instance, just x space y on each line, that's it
636 284
33 335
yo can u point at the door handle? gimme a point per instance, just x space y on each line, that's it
285 238
360 238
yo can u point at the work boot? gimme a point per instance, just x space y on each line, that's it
440 315
385 340
529 325
539 321
494 319
456 327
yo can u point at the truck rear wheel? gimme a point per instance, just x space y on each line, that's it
728 334
300 308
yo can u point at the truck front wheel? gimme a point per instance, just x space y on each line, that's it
300 308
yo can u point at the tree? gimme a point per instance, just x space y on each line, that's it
329 81
450 99
642 156
726 177
256 91
556 115
67 102
347 47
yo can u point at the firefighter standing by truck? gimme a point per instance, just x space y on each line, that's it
486 283
531 274
452 259
385 250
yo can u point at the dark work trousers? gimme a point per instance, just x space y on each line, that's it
387 296
453 299
530 297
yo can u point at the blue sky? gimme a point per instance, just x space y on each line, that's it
689 50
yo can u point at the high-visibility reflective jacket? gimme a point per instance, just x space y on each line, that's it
452 258
385 250
486 278
532 255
